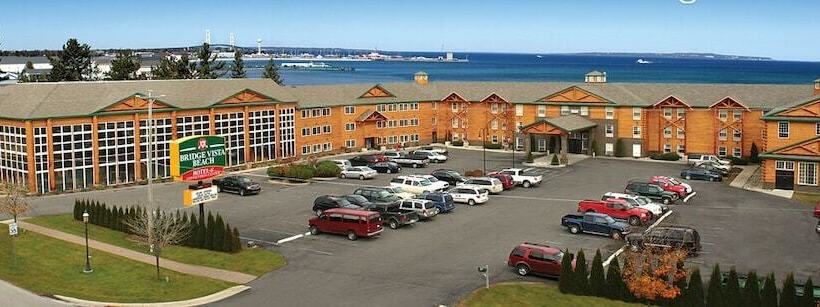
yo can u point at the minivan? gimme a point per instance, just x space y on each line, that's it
349 222
425 208
692 159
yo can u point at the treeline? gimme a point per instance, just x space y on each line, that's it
211 233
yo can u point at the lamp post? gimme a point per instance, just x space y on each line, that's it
87 268
484 148
149 155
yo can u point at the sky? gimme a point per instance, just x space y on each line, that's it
781 29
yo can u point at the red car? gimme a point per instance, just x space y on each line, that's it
537 259
350 222
506 179
672 185
817 211
616 208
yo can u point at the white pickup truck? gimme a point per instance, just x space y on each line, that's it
520 178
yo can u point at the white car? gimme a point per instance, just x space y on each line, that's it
342 164
425 208
432 156
640 202
439 150
520 178
490 184
717 165
392 154
469 195
360 172
443 185
696 158
399 192
414 185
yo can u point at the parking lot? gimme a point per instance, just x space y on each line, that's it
434 262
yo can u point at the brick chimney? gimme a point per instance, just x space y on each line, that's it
420 78
595 77
817 87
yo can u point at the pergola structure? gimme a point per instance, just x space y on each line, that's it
559 127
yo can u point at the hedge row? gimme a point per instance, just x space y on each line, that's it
305 171
212 234
669 156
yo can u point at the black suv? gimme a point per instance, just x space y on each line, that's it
650 190
667 237
377 195
238 184
357 200
449 176
392 215
325 202
363 160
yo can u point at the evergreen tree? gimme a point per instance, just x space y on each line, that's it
237 242
566 279
753 154
788 297
125 66
807 300
227 239
171 68
581 274
597 281
768 297
615 285
714 298
219 234
694 291
207 67
193 227
72 64
238 69
77 210
731 292
272 72
751 290
201 232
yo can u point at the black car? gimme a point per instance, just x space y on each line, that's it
701 174
357 200
377 195
667 237
386 167
237 184
325 202
392 215
449 176
650 190
363 160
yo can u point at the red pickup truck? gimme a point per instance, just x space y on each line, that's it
616 208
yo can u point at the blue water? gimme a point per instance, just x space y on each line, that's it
528 67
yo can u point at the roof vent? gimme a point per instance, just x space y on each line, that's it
595 77
420 78
817 87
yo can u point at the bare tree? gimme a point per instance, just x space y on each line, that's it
13 202
156 230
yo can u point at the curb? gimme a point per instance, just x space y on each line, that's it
621 250
284 182
642 159
208 299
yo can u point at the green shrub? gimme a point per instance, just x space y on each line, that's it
581 274
278 171
753 154
458 143
300 171
565 280
327 169
597 280
492 146
529 157
739 161
620 148
669 156
554 160
654 155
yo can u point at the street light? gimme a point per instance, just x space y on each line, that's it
149 155
87 268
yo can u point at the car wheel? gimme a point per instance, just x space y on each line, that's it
688 177
471 202
361 177
415 165
388 171
351 235
527 184
218 189
711 179
343 176
393 224
616 235
634 221
522 269
666 201
318 212
314 231
241 192
574 229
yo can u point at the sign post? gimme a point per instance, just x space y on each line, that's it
13 229
196 158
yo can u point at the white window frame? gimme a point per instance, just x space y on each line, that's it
681 133
636 113
737 115
565 110
667 132
723 115
667 148
350 126
667 113
636 132
542 111
609 149
723 134
610 112
681 112
781 132
737 135
350 143
781 165
681 149
494 108
737 152
610 130
519 110
807 173
494 124
584 111
350 110
722 151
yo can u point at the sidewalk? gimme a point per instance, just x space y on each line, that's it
14 297
214 273
749 179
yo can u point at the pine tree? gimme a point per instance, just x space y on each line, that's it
768 297
77 214
679 300
237 242
219 233
807 300
566 279
125 66
272 72
72 64
201 232
714 298
694 291
788 297
227 239
751 290
193 224
597 281
581 274
238 69
615 286
731 292
208 67
753 154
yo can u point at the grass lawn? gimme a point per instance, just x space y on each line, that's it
806 198
250 261
49 266
532 294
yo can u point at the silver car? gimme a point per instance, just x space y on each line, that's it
360 172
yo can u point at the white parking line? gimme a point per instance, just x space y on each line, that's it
690 196
288 239
707 243
621 250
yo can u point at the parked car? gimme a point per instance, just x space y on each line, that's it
643 202
400 192
386 167
426 209
710 167
492 185
391 154
413 160
414 185
443 201
357 200
696 158
325 202
239 184
537 259
672 185
817 228
506 180
469 195
652 191
595 223
350 222
449 176
431 155
365 160
360 172
392 215
725 168
342 164
377 195
817 210
441 184
616 208
520 177
700 174
436 149
667 237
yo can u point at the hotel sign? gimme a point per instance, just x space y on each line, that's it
197 157
194 197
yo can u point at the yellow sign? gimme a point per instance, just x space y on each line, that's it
195 197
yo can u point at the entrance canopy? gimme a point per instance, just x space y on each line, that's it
561 125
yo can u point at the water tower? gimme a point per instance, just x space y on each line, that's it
208 37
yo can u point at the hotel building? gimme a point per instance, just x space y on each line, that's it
73 136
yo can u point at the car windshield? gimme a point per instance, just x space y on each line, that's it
344 203
366 169
425 182
396 189
642 200
384 193
243 179
674 181
431 179
559 255
429 205
609 219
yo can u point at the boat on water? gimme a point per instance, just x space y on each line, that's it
539 56
642 61
312 66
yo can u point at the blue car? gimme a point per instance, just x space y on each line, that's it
700 174
444 201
